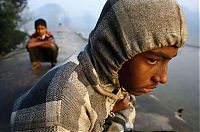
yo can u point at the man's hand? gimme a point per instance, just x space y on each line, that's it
122 104
47 45
44 44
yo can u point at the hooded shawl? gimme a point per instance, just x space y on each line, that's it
126 28
79 94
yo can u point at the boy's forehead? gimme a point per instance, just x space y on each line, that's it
165 52
41 26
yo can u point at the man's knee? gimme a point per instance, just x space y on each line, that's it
55 48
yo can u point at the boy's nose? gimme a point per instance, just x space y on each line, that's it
40 31
161 76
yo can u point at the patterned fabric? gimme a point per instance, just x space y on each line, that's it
79 94
62 101
129 27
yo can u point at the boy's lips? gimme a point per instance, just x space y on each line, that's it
147 89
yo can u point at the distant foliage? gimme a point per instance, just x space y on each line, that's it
9 19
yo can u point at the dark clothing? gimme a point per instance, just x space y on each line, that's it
39 54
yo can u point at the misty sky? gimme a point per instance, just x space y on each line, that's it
78 6
95 5
81 15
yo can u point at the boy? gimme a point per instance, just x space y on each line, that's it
128 52
41 46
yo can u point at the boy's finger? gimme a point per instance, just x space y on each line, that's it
126 98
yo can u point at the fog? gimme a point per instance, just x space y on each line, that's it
81 15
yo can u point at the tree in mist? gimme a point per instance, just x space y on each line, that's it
9 19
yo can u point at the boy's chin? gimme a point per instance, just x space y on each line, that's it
42 37
136 93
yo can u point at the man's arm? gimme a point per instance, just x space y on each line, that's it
124 115
50 43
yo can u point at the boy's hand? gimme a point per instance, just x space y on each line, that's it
122 104
47 45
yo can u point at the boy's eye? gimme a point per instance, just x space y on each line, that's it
152 61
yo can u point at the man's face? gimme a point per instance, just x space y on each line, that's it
41 30
144 71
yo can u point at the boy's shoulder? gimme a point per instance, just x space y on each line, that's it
48 35
34 35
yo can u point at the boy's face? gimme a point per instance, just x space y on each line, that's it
144 71
41 30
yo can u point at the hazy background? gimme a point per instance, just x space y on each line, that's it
81 15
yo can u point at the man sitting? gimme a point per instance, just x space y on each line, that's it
42 46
